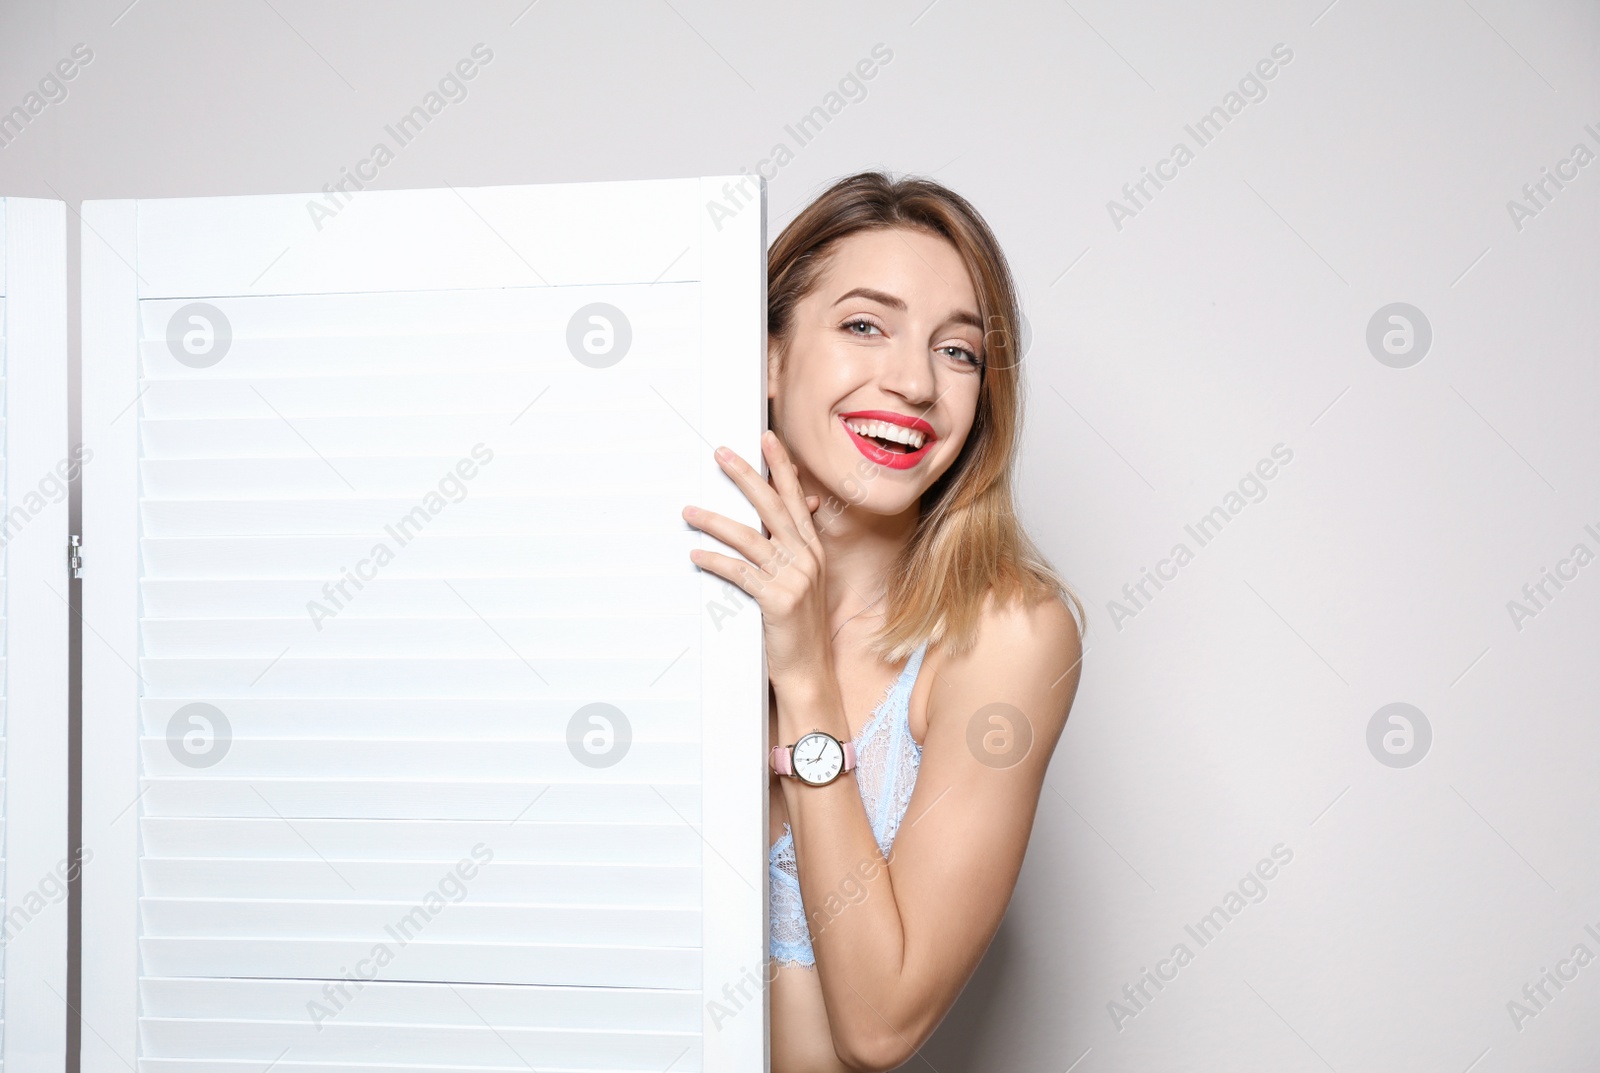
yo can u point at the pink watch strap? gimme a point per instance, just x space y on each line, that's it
783 758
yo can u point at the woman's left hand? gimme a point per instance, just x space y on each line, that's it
785 572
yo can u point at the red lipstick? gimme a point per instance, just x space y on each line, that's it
883 456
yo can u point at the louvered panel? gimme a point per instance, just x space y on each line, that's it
390 536
428 1047
536 475
383 1042
539 840
443 1005
564 882
453 921
309 557
403 338
410 717
254 1065
420 327
661 802
386 595
498 962
500 515
365 636
297 676
376 340
536 761
263 435
36 466
510 395
442 1024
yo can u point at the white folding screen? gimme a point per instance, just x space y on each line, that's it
409 741
37 466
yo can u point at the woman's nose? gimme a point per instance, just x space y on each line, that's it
908 372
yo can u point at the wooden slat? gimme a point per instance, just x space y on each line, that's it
671 886
399 595
674 674
437 918
422 761
495 962
336 1039
265 435
538 839
571 472
390 1003
509 395
493 718
507 803
460 635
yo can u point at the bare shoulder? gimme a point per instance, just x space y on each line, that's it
1027 655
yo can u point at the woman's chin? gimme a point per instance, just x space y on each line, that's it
878 505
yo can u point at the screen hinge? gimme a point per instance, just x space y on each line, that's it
75 554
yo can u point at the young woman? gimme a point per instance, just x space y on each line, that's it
895 574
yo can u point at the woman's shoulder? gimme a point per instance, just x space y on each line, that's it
1042 624
1037 629
1023 648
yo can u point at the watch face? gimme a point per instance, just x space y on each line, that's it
818 758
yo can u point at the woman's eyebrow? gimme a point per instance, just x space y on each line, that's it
877 296
960 316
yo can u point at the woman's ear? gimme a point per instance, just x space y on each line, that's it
773 363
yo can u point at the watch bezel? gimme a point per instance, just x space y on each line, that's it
794 763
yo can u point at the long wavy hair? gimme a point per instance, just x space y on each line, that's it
968 543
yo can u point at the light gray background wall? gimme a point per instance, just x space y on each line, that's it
1229 714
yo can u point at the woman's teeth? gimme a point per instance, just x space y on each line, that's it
907 438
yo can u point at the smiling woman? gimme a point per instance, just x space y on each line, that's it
893 385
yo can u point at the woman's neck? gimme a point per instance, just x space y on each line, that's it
860 549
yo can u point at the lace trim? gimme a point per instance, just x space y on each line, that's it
790 939
887 760
888 757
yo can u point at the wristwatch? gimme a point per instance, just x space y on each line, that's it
816 759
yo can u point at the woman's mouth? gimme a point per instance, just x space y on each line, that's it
889 439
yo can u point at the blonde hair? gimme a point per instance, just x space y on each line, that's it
968 543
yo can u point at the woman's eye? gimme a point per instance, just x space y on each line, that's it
956 351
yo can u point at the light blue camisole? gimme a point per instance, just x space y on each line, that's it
887 758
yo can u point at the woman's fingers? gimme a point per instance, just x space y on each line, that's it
737 571
769 506
785 511
786 476
755 547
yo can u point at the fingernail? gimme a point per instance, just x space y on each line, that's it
724 454
690 512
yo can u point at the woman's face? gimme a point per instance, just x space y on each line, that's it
880 385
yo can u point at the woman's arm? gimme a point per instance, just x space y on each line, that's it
893 960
